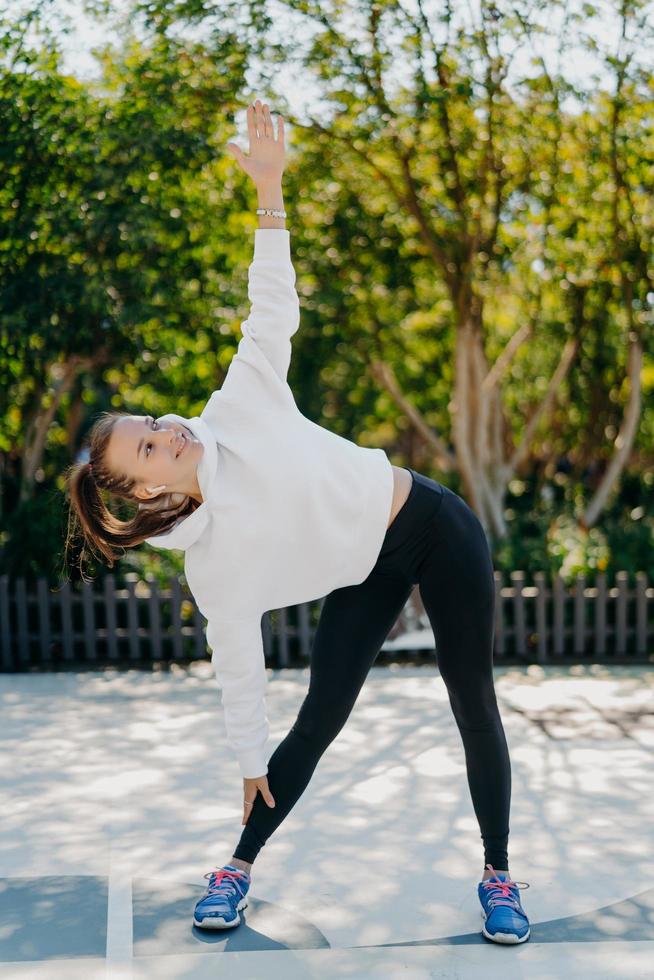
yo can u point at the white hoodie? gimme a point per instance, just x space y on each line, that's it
290 510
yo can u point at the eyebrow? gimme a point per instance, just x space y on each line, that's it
138 451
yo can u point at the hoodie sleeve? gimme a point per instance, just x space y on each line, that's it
238 661
274 308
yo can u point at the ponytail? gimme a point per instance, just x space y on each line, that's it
90 519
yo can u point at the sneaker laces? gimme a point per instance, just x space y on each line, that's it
223 882
500 893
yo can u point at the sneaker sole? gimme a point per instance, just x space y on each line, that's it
508 938
215 922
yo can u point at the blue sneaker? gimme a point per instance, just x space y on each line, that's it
225 897
505 920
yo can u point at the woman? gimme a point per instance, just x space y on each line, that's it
272 510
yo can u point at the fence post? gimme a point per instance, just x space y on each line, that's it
5 635
579 616
44 619
131 578
600 614
20 597
304 629
110 613
88 611
541 617
641 614
558 596
520 637
622 582
66 606
176 610
155 618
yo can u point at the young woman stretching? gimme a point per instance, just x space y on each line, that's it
273 510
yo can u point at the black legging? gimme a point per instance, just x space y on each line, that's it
436 541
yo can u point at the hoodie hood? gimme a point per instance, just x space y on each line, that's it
188 529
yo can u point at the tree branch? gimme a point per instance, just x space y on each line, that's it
567 357
384 376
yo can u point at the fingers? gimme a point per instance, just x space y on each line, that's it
256 125
260 123
267 121
250 789
265 791
252 129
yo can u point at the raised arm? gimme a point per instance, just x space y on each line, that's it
275 310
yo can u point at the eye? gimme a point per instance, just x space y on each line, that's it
148 444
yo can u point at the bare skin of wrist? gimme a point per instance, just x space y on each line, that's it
270 196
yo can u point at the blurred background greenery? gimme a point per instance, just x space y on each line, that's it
473 243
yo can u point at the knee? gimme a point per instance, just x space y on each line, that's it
320 724
476 713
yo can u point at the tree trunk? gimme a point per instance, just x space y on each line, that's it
484 453
65 374
624 439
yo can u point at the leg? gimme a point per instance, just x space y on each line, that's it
457 589
353 625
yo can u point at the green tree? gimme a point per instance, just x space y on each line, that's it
479 165
113 270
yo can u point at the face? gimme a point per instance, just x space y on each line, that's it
155 454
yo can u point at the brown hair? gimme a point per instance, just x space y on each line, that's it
99 527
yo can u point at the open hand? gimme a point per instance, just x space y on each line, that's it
250 789
265 160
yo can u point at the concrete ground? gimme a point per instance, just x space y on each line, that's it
118 793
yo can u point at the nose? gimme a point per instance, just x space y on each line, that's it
169 435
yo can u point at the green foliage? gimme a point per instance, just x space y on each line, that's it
127 233
33 536
544 533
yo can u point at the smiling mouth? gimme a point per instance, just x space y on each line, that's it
182 447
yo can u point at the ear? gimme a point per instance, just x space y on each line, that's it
149 492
